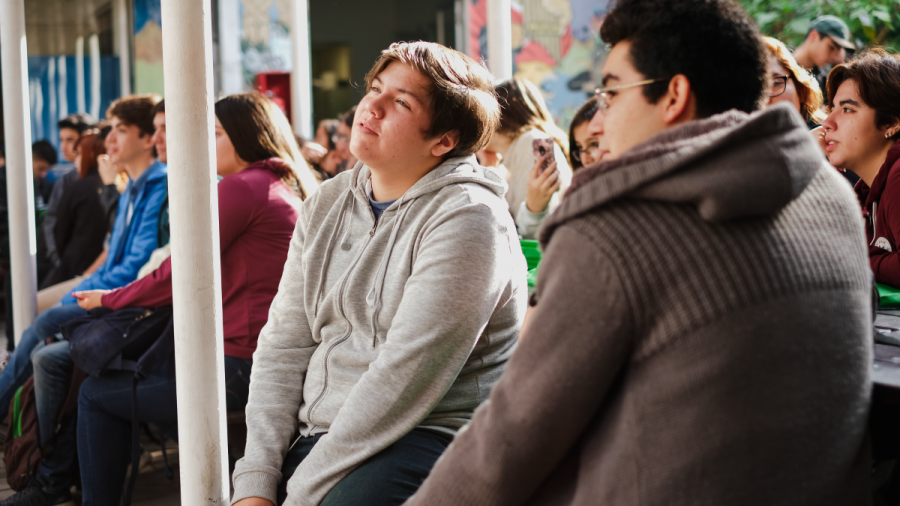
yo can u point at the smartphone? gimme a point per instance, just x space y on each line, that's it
543 147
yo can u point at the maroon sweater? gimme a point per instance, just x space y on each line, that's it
257 213
881 208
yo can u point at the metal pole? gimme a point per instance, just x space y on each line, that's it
499 35
196 280
123 30
230 47
19 184
301 76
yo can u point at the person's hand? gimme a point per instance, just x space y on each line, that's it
108 171
818 135
254 501
541 186
313 152
89 299
489 158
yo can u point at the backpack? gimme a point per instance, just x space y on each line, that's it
22 452
139 340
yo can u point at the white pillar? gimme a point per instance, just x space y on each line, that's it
19 184
196 280
94 44
499 38
123 32
301 75
232 72
79 75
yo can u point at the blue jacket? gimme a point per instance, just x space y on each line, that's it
131 243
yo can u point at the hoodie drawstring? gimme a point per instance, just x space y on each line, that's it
373 298
345 245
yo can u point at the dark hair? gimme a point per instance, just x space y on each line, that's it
90 146
522 108
347 117
877 76
713 43
584 115
135 110
159 107
78 122
258 130
45 151
462 92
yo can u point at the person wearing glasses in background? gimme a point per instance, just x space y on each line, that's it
701 327
584 145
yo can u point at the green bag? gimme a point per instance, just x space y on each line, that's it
532 253
888 296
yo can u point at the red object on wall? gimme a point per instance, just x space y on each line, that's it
276 86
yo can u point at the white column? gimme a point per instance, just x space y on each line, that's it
232 73
301 75
196 280
94 44
460 26
499 38
79 75
123 32
19 184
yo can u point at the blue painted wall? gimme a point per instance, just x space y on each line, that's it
53 91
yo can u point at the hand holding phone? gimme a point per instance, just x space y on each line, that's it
543 148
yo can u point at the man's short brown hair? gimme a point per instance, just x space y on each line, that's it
462 92
135 110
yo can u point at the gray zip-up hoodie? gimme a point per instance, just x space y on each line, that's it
382 327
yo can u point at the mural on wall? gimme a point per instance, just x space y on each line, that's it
555 46
265 37
148 53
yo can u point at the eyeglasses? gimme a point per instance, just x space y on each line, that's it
779 86
603 93
592 151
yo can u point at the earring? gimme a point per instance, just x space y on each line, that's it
888 135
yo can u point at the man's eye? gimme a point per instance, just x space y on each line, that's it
403 103
847 109
611 94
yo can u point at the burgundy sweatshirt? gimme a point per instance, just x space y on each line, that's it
881 208
257 213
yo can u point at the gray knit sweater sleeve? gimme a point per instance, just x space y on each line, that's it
276 383
573 345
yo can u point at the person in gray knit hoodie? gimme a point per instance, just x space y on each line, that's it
401 299
701 332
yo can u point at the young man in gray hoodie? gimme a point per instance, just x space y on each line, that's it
701 333
401 300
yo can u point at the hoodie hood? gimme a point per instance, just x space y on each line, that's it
868 196
732 165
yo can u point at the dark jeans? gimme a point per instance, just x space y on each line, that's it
19 367
104 421
388 478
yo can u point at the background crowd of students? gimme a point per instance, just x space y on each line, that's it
102 218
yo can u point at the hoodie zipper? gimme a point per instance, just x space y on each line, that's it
343 339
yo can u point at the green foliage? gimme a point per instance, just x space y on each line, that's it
871 22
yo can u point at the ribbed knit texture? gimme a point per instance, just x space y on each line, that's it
700 335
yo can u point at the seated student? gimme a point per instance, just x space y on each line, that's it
533 191
401 299
792 84
81 221
258 208
61 176
702 325
584 145
133 240
861 134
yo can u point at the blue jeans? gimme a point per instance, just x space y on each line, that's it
52 377
104 421
19 368
389 478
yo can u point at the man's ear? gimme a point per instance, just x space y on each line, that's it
445 144
148 141
678 103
